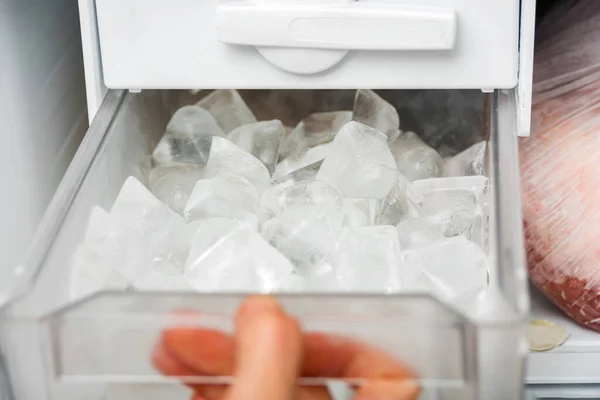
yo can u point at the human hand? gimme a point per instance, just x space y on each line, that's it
269 352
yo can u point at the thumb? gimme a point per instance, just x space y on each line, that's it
268 352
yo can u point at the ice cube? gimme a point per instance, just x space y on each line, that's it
173 184
210 231
139 210
91 273
314 130
449 267
281 197
456 205
188 137
166 279
107 248
415 159
359 212
227 159
367 259
418 231
228 196
370 109
261 139
306 236
396 206
228 108
302 167
359 162
326 282
467 162
241 261
173 251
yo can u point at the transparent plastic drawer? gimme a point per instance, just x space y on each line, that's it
100 347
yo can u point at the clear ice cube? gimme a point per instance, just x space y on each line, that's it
396 206
415 159
359 212
306 236
449 267
228 108
173 184
188 137
261 139
227 159
456 205
166 279
326 282
241 261
359 162
302 167
314 130
228 196
370 109
466 163
367 258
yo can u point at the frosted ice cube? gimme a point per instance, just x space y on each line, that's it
173 184
172 252
261 139
449 267
303 167
229 196
456 205
107 250
418 231
228 108
240 261
112 245
415 159
166 279
210 231
359 162
306 236
370 109
467 162
188 137
281 197
396 205
227 159
359 212
367 259
139 210
314 130
326 282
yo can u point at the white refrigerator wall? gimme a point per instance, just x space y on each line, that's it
43 114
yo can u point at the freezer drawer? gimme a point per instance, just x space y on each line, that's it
100 347
411 44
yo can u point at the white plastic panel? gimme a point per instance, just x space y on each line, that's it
175 44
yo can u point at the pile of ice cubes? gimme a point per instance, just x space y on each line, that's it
344 201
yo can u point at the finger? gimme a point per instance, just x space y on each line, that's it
268 352
206 351
388 390
338 357
171 366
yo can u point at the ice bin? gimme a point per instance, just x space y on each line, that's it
99 347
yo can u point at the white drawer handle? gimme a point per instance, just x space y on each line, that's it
343 26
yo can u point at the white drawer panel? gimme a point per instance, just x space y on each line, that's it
176 44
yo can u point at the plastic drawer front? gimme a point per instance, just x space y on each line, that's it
100 347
